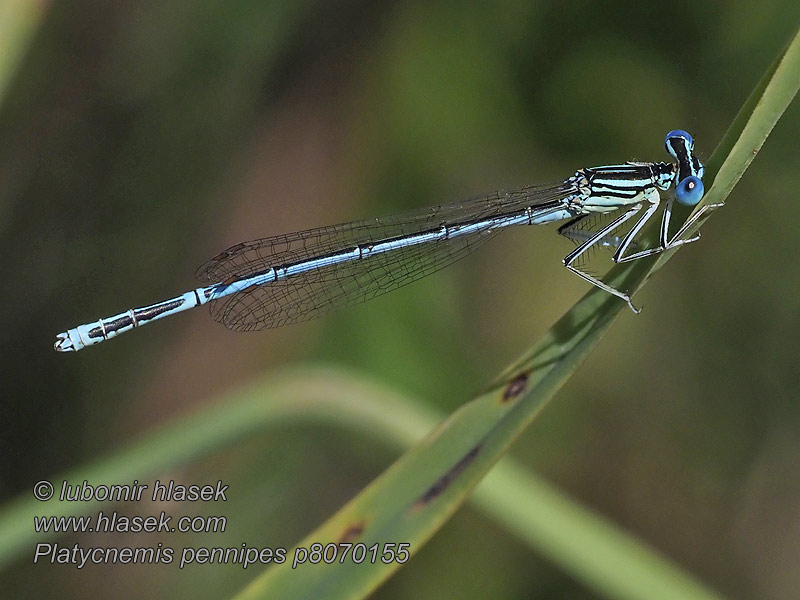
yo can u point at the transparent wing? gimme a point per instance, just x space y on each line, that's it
314 293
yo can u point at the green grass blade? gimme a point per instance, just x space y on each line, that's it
588 547
585 545
18 22
415 496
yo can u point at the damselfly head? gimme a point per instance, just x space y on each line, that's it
688 178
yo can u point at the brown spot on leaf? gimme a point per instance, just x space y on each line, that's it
515 387
445 480
352 533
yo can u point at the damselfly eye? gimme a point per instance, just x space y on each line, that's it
689 191
679 133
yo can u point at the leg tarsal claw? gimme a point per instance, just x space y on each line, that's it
635 310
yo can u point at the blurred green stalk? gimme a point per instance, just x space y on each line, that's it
19 20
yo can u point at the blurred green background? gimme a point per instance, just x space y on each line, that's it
139 139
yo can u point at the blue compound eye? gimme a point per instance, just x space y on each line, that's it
679 133
689 191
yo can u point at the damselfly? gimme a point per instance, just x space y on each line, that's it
289 278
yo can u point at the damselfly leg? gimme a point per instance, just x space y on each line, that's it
603 233
677 239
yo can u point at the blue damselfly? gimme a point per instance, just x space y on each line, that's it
289 278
